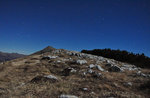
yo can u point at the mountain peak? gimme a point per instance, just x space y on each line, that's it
47 49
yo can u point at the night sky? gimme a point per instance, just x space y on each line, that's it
27 26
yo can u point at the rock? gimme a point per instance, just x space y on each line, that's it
81 62
139 73
91 66
92 93
48 57
3 91
51 77
96 66
108 61
58 61
96 74
129 67
108 65
73 70
99 68
128 84
84 73
90 71
22 84
68 96
52 57
67 71
46 78
85 89
114 68
57 51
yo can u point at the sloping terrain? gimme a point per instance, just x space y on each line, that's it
59 73
9 56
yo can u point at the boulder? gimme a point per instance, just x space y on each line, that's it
91 66
108 65
114 68
51 77
96 66
81 62
99 68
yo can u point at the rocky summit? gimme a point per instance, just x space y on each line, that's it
59 73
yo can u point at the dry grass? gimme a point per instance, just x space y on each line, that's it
16 76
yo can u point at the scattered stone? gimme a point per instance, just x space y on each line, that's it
90 71
96 74
58 61
22 84
108 65
99 68
96 66
57 51
3 91
139 73
48 57
92 93
114 68
67 71
51 77
108 61
73 70
68 96
91 66
84 73
52 57
128 84
81 62
129 67
85 89
46 78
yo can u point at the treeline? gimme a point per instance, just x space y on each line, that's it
139 60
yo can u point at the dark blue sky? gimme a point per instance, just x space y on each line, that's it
30 25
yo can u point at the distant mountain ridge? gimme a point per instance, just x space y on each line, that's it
9 56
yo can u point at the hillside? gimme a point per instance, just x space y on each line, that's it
140 60
9 56
59 73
